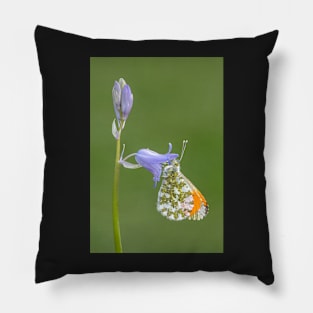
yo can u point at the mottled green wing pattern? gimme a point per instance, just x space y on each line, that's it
175 200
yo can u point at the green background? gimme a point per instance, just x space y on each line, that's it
174 99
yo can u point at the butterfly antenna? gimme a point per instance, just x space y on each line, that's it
183 149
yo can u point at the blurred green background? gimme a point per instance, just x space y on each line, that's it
174 99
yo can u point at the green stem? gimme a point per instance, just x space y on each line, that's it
116 222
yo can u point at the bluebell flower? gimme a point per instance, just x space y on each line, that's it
122 100
122 103
150 160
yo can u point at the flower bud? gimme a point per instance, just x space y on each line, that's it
122 101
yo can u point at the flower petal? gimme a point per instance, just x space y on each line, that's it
154 168
126 101
150 156
116 96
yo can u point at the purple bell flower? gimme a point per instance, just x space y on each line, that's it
122 100
151 161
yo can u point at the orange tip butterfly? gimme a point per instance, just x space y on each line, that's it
178 198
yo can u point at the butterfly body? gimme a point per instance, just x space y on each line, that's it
178 198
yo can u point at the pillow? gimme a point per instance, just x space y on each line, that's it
154 155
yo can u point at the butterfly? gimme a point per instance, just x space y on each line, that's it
178 198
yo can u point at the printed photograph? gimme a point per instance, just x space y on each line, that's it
156 155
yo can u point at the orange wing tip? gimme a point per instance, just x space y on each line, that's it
200 214
200 208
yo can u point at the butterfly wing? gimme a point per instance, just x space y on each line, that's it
200 206
175 200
